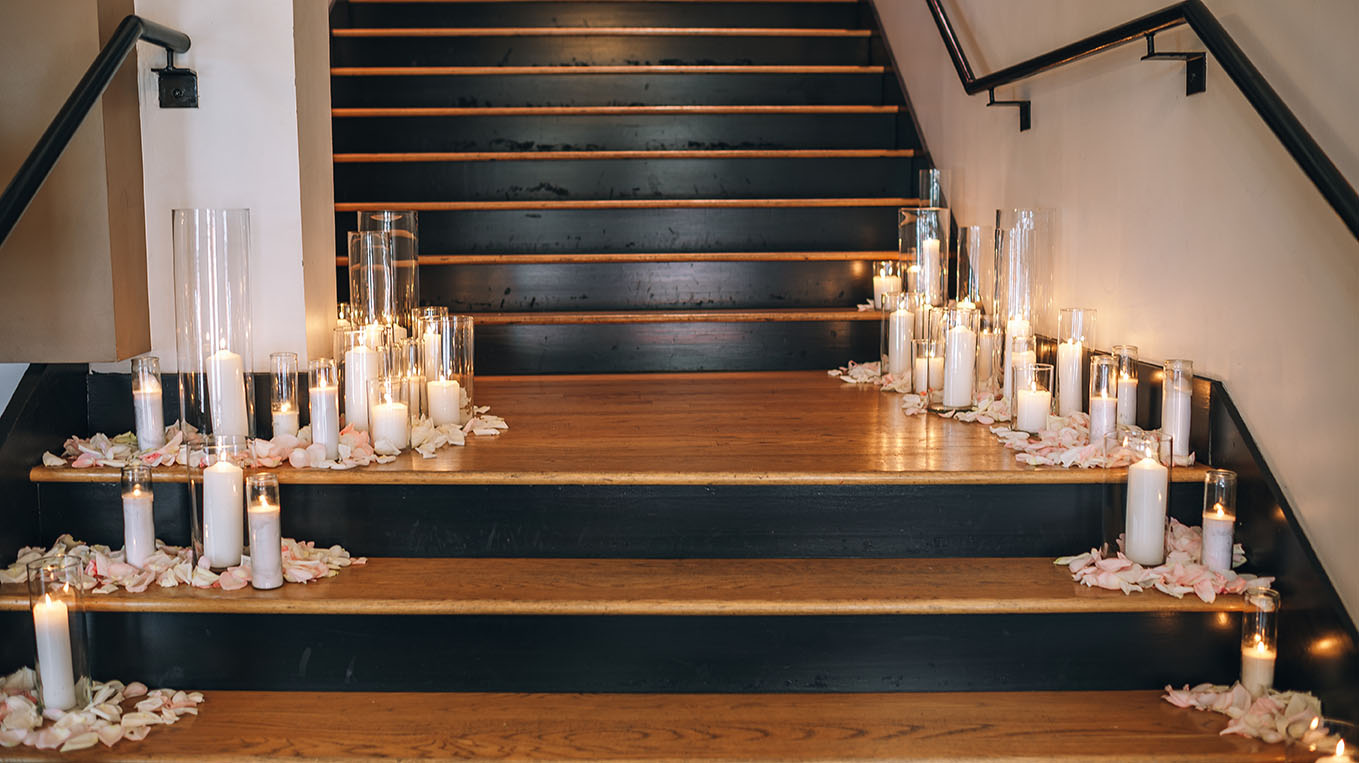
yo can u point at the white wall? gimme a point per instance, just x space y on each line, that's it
1181 218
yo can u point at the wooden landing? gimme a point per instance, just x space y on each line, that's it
1028 726
809 587
786 427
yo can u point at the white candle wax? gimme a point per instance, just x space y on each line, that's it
1218 529
1127 401
445 398
936 374
1175 415
1257 667
390 422
150 415
372 335
883 285
929 270
266 546
361 365
1145 525
921 376
960 360
900 332
1014 327
223 505
986 357
226 391
285 421
325 419
53 632
1103 415
1069 377
139 527
1031 409
429 345
343 323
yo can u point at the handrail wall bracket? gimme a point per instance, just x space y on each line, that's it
1025 109
1195 65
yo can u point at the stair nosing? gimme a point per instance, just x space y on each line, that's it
599 204
427 260
457 71
588 31
344 112
599 155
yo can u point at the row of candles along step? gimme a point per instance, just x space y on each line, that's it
391 378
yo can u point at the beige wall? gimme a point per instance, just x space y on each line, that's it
1182 220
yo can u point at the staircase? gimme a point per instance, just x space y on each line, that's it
759 563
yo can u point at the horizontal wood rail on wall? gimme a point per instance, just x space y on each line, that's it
445 71
1327 178
427 260
491 206
602 31
594 111
512 156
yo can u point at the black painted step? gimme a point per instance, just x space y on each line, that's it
841 15
604 89
623 179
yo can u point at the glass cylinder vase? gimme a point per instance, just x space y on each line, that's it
362 356
956 332
886 280
1259 639
139 517
323 398
56 605
1020 350
148 402
975 271
406 361
212 316
266 534
1126 357
1177 394
449 385
923 241
1032 397
990 339
1139 465
898 331
1103 407
372 287
1024 270
1219 519
389 414
217 490
1075 335
403 231
284 410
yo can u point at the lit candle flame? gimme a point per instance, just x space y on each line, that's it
1220 511
1340 748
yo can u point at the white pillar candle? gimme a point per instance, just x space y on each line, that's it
900 332
285 421
150 415
325 419
429 345
1145 525
1013 328
1175 415
1257 667
390 422
929 270
921 376
223 505
1103 415
361 365
53 632
226 389
266 546
884 285
1218 529
1069 377
139 527
1031 409
986 355
936 371
1127 402
445 398
960 362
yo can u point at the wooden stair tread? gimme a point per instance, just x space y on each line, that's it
447 71
751 587
595 204
510 156
675 316
601 31
783 427
664 110
427 260
1052 726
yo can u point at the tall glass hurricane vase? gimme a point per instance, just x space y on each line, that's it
403 236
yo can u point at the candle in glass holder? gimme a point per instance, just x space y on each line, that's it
226 393
285 420
283 401
886 280
1126 356
52 631
1033 397
1259 634
388 413
148 402
1177 392
266 537
1016 326
1103 399
223 505
1145 504
139 523
1219 518
960 357
323 395
362 364
445 402
1075 331
1257 667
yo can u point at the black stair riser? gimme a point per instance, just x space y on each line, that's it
632 89
647 132
651 521
803 15
598 50
1047 652
549 231
565 180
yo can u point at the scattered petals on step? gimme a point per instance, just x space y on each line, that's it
1181 573
1272 717
104 721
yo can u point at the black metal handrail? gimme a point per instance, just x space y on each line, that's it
1234 61
21 190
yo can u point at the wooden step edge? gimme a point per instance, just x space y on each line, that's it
596 317
498 2
664 587
598 204
566 111
432 260
519 156
458 71
611 31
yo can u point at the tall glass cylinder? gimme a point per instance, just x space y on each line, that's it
323 397
212 316
975 270
923 241
1126 356
886 280
957 334
1141 463
1219 519
406 361
139 518
148 402
1259 640
266 534
449 385
1177 394
218 493
56 604
898 331
372 284
1103 397
403 230
362 354
1075 335
1024 263
284 409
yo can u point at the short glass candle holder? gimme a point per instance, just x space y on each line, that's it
1103 406
923 240
1177 394
1259 639
975 268
1075 334
406 360
1021 350
1126 357
898 331
148 402
402 228
1032 397
927 369
56 604
448 388
361 362
139 519
323 398
1332 740
266 534
284 410
886 280
1138 467
389 416
1219 518
990 341
218 502
957 334
372 297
